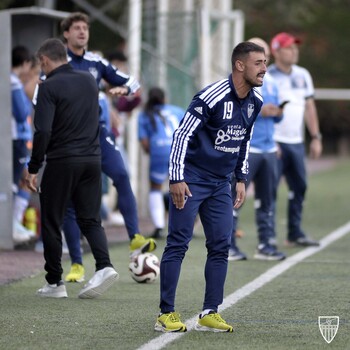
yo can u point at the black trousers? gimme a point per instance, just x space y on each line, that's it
79 182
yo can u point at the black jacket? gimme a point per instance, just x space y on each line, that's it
66 118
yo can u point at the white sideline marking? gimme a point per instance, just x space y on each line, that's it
166 338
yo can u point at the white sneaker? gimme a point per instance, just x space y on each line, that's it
57 290
99 283
39 246
20 234
22 228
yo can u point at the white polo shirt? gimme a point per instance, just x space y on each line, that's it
294 87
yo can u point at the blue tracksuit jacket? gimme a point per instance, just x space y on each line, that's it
217 126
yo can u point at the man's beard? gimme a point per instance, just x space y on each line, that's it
253 83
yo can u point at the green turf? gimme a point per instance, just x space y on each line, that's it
281 315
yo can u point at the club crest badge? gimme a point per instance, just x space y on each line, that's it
250 109
93 72
328 326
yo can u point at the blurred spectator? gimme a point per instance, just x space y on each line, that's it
123 105
22 64
295 86
262 170
157 123
120 109
67 136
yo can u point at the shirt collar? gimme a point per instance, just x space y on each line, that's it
73 55
63 67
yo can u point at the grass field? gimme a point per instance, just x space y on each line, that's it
282 314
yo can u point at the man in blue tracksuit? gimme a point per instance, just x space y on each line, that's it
211 143
75 30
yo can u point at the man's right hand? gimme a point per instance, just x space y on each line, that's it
178 191
119 91
31 180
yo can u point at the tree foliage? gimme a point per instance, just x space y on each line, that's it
323 26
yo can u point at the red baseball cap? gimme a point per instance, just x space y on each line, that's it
283 40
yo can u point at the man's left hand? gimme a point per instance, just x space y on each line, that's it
315 148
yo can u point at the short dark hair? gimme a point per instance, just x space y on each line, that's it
242 50
54 49
74 17
20 54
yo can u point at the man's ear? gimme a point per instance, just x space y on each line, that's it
65 34
44 60
239 65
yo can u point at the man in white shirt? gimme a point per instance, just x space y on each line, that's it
295 86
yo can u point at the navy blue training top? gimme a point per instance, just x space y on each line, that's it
101 68
212 140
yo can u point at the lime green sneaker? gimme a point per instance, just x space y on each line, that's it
139 244
212 322
76 273
169 322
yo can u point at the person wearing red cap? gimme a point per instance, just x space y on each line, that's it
295 86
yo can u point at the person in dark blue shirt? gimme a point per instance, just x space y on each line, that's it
75 30
263 162
210 144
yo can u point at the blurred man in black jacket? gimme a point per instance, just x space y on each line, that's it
67 132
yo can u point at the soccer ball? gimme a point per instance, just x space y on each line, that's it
144 268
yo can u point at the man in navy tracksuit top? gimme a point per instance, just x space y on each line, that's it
211 143
67 133
75 30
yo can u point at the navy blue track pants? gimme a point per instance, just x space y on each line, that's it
292 166
263 173
213 202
